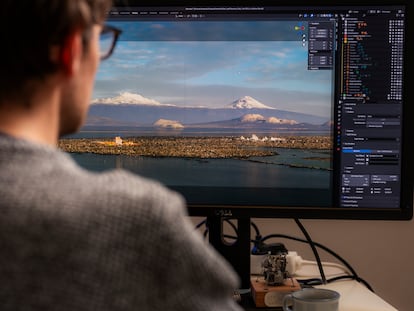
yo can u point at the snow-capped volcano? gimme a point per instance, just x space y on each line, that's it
247 102
128 98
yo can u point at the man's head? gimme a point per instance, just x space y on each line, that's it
44 38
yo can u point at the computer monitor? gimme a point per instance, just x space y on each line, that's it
254 109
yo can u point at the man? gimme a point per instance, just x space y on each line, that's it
71 239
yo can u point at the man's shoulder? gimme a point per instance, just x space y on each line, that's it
41 169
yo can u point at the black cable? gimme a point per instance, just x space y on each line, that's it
255 228
200 224
227 220
357 278
315 281
314 250
310 282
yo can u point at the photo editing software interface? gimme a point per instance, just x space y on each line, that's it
313 96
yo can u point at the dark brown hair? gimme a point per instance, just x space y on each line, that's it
28 29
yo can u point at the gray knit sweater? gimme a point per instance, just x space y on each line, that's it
74 240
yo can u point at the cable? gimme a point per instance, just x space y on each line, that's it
314 250
200 224
255 228
227 220
327 264
316 281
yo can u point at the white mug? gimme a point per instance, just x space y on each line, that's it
311 299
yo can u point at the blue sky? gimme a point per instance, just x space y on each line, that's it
214 63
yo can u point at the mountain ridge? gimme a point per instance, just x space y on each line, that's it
127 111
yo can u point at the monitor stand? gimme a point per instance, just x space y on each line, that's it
236 252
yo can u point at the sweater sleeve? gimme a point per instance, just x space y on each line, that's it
189 274
176 268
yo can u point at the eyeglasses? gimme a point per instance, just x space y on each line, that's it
107 40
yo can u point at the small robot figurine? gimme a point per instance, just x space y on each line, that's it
274 264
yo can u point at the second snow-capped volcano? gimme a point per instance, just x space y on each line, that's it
247 102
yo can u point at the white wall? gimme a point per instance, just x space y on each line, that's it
381 252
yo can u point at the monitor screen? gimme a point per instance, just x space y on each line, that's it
259 110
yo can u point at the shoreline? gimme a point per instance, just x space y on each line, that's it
193 147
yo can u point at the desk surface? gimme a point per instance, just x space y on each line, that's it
354 297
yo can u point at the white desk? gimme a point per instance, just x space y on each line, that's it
356 297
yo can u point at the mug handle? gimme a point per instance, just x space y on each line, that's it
287 302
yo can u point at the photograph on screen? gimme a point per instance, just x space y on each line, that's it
231 108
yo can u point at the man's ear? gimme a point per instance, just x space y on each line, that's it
71 53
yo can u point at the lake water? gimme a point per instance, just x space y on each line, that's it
292 169
273 171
